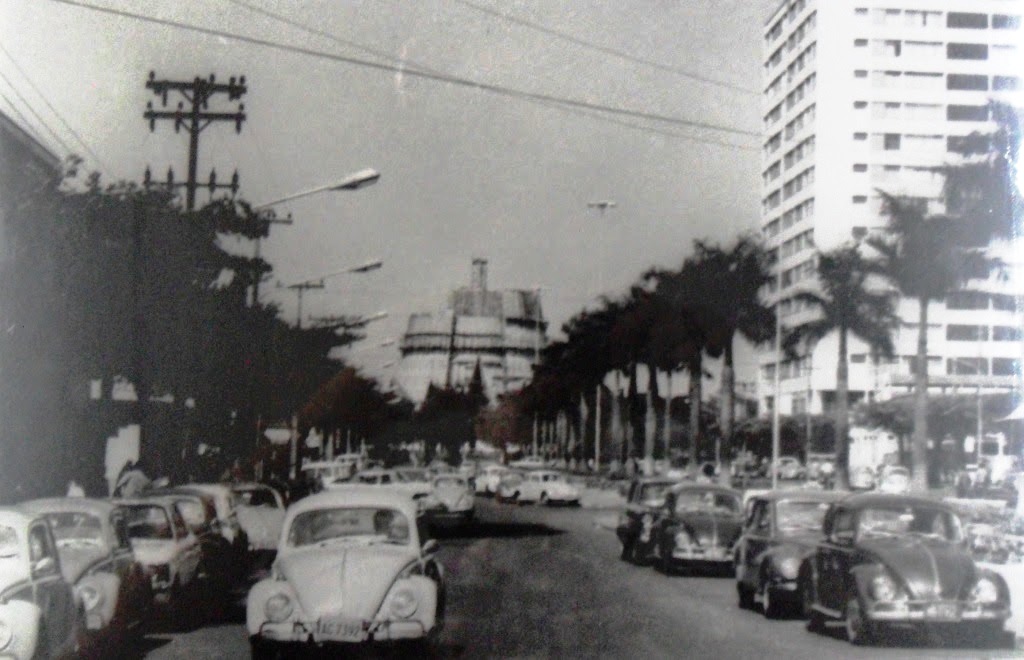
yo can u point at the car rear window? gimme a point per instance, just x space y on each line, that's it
800 516
709 500
909 520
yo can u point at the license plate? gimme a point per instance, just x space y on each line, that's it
339 630
943 612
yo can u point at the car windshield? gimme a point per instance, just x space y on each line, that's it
909 520
653 494
449 482
367 524
8 543
413 475
257 497
707 500
793 516
147 521
75 529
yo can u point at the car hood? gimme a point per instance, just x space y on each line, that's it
74 560
710 529
348 581
262 525
929 567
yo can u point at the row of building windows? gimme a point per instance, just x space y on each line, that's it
798 273
771 202
956 366
975 366
933 19
791 306
801 32
801 62
975 300
800 91
798 183
920 80
772 173
802 211
800 242
925 111
805 118
774 115
934 50
956 332
918 143
804 149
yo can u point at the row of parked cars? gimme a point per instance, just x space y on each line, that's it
86 575
869 560
526 485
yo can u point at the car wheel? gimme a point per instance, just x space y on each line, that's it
265 650
815 619
42 651
745 596
859 629
627 551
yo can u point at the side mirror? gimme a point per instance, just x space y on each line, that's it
431 547
44 565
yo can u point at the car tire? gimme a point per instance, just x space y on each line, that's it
860 631
627 552
815 619
262 649
744 596
771 606
42 651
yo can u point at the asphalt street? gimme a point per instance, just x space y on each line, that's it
547 582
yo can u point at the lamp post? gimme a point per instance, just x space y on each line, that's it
602 206
300 288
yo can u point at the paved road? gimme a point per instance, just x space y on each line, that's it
535 582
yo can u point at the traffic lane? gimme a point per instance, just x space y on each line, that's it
707 606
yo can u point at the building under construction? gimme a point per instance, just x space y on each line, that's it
502 331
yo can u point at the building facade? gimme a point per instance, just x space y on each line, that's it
501 331
868 95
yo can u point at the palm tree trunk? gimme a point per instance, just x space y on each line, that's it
919 445
842 414
650 419
633 431
667 425
727 413
615 418
696 376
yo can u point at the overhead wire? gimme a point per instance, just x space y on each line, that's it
35 114
454 80
406 62
85 145
604 49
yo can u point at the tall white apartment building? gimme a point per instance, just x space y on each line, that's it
862 95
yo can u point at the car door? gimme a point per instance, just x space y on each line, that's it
756 539
188 549
834 557
51 593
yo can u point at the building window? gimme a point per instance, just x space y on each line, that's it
888 48
967 112
860 199
922 80
956 51
1003 302
860 167
860 43
1006 333
860 73
1005 22
917 18
1005 367
967 366
860 137
966 332
967 300
966 81
1005 83
891 142
964 20
858 358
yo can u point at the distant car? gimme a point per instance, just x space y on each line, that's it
96 558
509 485
862 478
789 467
413 475
894 479
226 503
454 494
897 559
488 478
353 567
781 529
643 501
697 528
547 487
260 511
40 616
166 548
529 463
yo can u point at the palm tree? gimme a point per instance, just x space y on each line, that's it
847 306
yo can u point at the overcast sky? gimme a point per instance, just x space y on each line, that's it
465 172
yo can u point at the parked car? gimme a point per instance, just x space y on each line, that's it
789 467
96 558
414 475
894 479
644 499
509 484
862 478
40 616
697 527
166 548
260 511
529 463
888 559
780 530
227 513
548 487
455 498
488 477
385 584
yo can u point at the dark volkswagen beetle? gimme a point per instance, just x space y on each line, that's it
888 559
645 498
697 527
781 529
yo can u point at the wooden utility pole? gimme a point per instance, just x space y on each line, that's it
198 93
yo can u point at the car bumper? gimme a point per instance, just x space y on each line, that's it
714 555
936 612
306 632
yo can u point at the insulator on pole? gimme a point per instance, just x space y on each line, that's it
234 182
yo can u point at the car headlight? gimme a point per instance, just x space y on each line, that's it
788 567
404 603
985 591
91 597
883 588
6 635
683 540
278 608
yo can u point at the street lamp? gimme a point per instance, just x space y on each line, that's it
602 206
359 179
301 287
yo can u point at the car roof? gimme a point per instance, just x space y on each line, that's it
212 489
801 494
355 496
684 487
250 485
866 500
100 508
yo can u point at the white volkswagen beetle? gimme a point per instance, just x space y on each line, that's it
548 487
352 567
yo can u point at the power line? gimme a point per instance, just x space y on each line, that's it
454 80
35 114
49 105
404 62
605 49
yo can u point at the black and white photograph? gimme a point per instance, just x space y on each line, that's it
511 329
